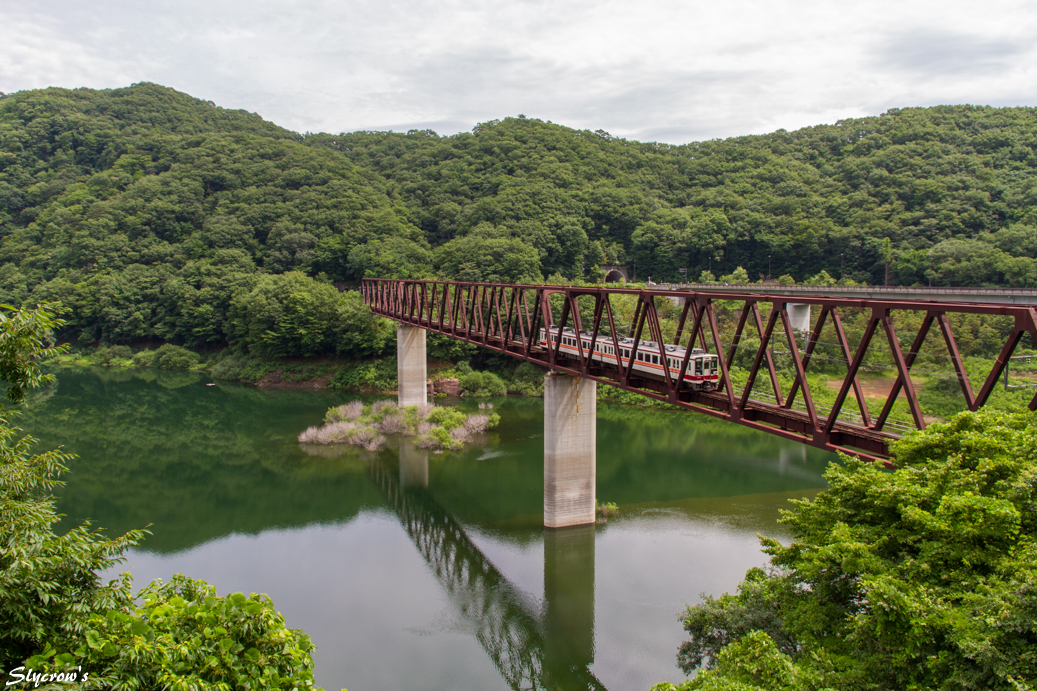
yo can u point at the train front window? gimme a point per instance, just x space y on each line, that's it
698 366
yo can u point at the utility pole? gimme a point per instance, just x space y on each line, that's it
842 265
768 267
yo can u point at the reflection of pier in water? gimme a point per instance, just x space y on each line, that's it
549 652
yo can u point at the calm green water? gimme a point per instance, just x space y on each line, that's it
413 571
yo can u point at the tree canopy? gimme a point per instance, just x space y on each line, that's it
924 577
60 617
143 212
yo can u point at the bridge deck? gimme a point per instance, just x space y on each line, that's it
989 296
507 318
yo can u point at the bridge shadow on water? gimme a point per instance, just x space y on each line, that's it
549 646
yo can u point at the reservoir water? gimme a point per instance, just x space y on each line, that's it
417 571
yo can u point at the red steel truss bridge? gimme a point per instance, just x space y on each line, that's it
507 318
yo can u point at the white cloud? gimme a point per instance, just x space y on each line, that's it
658 69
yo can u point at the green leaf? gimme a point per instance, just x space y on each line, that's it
94 639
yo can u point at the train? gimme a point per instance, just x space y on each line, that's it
703 368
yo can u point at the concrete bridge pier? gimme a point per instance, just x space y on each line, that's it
570 450
411 371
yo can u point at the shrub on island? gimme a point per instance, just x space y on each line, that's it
367 426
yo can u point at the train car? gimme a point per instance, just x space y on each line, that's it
703 368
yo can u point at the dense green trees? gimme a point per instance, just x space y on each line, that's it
292 314
144 225
488 257
923 577
58 615
817 199
146 213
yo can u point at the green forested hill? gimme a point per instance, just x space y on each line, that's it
146 212
958 181
151 214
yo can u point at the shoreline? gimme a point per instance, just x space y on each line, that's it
374 376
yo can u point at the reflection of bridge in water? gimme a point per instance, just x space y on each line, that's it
551 649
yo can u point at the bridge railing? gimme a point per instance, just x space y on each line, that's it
897 292
508 317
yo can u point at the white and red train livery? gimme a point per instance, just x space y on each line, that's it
703 368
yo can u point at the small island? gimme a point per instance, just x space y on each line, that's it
367 426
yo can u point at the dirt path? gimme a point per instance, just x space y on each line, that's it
873 388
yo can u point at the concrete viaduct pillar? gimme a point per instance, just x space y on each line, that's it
570 450
411 373
570 432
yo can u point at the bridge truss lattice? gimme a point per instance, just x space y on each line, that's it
507 318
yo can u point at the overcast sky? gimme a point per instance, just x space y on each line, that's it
662 70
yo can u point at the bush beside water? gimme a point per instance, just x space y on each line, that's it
62 624
924 577
482 384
